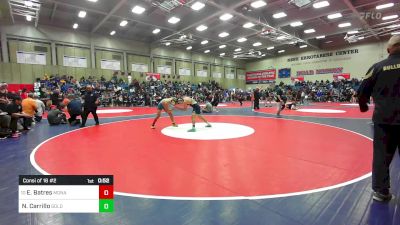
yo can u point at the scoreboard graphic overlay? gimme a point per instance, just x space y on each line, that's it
66 194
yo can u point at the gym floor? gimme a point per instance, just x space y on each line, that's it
308 167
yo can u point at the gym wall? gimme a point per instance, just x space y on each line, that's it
22 37
355 62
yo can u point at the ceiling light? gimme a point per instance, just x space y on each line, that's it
223 34
296 24
123 23
202 28
75 26
222 46
257 44
226 16
395 33
82 14
384 6
361 38
168 43
206 51
281 51
112 32
393 26
258 4
238 50
344 25
222 54
28 3
243 39
198 5
279 15
248 25
334 16
270 48
281 38
353 32
156 31
138 9
328 42
189 48
390 17
204 42
321 4
320 37
28 17
92 0
174 20
309 31
303 46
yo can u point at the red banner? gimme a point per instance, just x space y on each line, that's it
297 79
17 87
341 76
261 77
153 76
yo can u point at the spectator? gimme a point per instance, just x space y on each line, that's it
208 108
14 109
55 98
257 98
74 109
29 107
56 116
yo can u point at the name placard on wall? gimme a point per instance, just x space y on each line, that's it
217 75
107 64
241 77
230 76
202 73
75 61
37 58
184 72
164 69
144 68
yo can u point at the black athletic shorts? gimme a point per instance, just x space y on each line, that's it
196 108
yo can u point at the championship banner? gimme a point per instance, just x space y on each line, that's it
153 76
261 77
341 76
297 79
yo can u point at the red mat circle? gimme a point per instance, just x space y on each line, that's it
281 157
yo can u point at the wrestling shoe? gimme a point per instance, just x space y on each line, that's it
153 127
208 125
174 125
192 130
381 197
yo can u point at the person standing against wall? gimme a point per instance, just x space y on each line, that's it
382 82
90 105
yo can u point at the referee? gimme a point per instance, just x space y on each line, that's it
382 82
90 105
